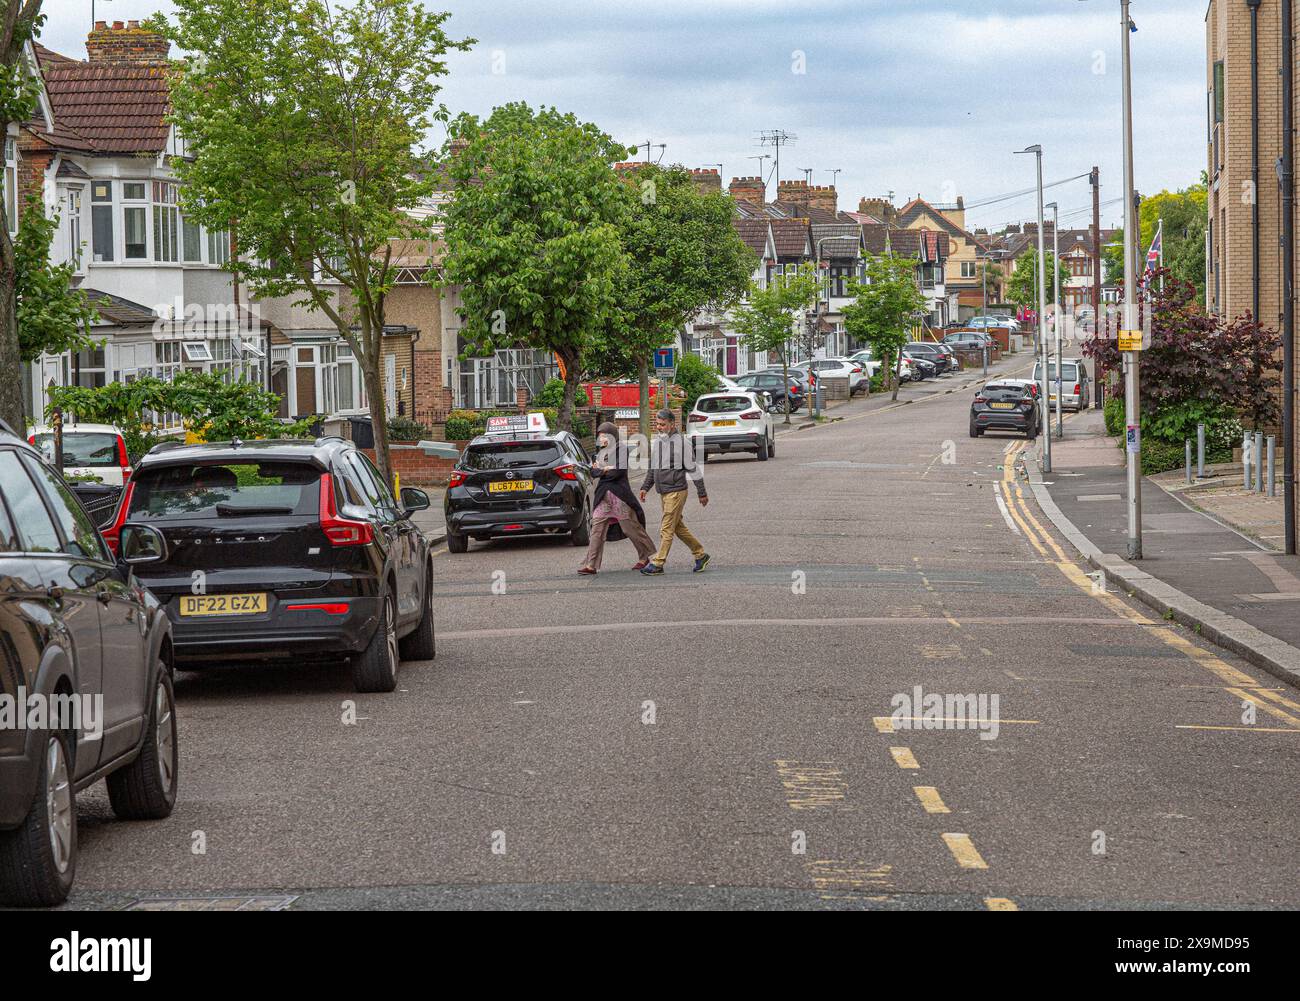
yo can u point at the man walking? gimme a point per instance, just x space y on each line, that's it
668 475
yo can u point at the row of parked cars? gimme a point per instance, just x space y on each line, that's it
267 550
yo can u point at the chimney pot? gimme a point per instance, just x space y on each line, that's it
118 26
101 25
133 25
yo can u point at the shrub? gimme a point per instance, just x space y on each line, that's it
1113 411
1161 456
695 378
401 428
552 396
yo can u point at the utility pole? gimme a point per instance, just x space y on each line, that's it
1288 274
1130 335
1096 275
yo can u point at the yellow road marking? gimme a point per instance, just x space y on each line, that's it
1272 693
1247 729
1268 707
812 785
964 851
930 799
884 724
903 757
1000 904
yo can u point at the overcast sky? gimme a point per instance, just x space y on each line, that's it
926 97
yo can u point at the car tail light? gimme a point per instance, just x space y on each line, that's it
981 399
122 459
567 472
857 369
329 608
1077 391
794 389
114 531
751 415
696 418
341 531
457 479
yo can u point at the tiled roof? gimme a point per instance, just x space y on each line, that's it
923 244
118 311
917 207
106 109
837 239
754 233
790 237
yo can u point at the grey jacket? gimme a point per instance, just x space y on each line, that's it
672 463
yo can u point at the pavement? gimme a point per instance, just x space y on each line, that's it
1219 579
752 736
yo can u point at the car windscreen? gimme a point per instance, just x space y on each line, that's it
724 404
1003 390
81 448
510 455
225 490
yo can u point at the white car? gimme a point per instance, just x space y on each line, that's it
834 368
97 450
730 385
731 422
986 322
1075 386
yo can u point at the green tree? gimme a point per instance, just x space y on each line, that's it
767 320
533 235
304 121
53 317
1185 220
695 377
1022 287
20 22
885 309
683 255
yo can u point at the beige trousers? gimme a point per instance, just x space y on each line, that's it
672 527
631 528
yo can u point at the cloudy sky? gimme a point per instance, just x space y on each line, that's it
926 97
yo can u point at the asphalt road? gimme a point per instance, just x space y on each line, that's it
886 551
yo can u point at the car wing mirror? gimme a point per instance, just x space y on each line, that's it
414 499
141 544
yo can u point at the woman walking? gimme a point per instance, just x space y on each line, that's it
616 514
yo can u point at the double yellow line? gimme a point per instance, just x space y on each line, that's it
1235 682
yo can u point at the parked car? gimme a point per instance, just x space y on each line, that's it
285 550
941 360
985 322
968 339
731 422
835 368
97 450
76 621
925 368
1004 406
776 388
520 482
1073 381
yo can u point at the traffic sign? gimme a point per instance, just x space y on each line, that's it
665 358
1130 340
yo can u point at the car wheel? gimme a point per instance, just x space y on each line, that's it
974 431
771 447
146 788
374 669
38 860
762 449
457 543
420 644
582 534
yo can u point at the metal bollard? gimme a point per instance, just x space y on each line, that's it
1247 446
1259 462
1187 463
1272 465
1200 451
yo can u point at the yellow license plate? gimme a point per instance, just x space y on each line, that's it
223 604
724 424
1003 406
510 486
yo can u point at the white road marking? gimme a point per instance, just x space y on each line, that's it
1006 515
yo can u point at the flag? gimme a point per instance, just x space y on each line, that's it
1156 254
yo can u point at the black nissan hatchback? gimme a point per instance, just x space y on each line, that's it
519 483
1004 406
285 550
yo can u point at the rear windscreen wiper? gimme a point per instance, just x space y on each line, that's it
236 510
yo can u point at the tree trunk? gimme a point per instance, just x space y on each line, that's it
11 364
896 374
643 378
378 419
785 372
572 376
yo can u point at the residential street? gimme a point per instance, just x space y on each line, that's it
1121 775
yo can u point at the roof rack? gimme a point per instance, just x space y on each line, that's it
165 446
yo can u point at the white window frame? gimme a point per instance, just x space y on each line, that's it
165 214
103 204
139 205
11 183
196 351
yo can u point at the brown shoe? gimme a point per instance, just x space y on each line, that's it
640 565
586 570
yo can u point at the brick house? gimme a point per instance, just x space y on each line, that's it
98 154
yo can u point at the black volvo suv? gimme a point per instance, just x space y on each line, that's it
285 550
85 677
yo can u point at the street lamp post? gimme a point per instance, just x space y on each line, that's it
1056 311
1132 366
1042 317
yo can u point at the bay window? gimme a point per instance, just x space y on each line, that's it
166 222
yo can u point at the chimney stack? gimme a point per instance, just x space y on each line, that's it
748 189
707 180
126 44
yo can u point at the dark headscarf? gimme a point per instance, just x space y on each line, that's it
615 480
